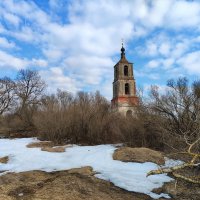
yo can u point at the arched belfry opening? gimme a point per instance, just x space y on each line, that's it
125 70
129 113
127 89
124 94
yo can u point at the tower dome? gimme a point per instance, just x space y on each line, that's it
122 51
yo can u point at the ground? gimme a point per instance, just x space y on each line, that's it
63 185
77 184
141 155
182 190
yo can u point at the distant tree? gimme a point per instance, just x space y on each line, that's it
29 89
7 87
65 98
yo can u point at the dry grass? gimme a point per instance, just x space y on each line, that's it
54 149
4 159
40 144
48 146
86 171
141 155
76 184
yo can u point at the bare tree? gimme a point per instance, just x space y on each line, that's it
85 118
29 89
65 98
179 106
6 94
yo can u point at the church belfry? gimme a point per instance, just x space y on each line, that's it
124 88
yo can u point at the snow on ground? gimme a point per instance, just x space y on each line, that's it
129 176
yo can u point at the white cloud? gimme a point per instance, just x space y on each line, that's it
39 62
165 63
53 54
84 46
5 43
150 50
164 49
89 69
170 55
184 14
11 18
55 78
168 63
153 63
26 34
106 89
191 62
10 61
180 48
158 45
157 13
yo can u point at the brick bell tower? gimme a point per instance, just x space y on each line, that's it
124 88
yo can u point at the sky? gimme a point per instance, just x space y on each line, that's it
74 44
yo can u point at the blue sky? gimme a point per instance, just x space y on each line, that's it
74 44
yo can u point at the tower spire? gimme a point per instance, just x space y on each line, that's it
122 50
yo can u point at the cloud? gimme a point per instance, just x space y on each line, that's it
11 18
191 62
158 45
157 12
170 56
25 34
89 69
4 43
184 14
10 61
153 63
55 78
83 40
38 62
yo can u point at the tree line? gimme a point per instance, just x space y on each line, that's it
164 120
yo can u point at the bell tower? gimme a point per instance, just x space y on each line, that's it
124 88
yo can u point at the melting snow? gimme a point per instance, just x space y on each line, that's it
129 176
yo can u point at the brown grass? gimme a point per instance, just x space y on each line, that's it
4 159
141 155
77 184
40 144
87 171
54 149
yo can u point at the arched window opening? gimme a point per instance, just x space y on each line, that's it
127 89
125 70
129 113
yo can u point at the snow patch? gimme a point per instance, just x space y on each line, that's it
129 176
